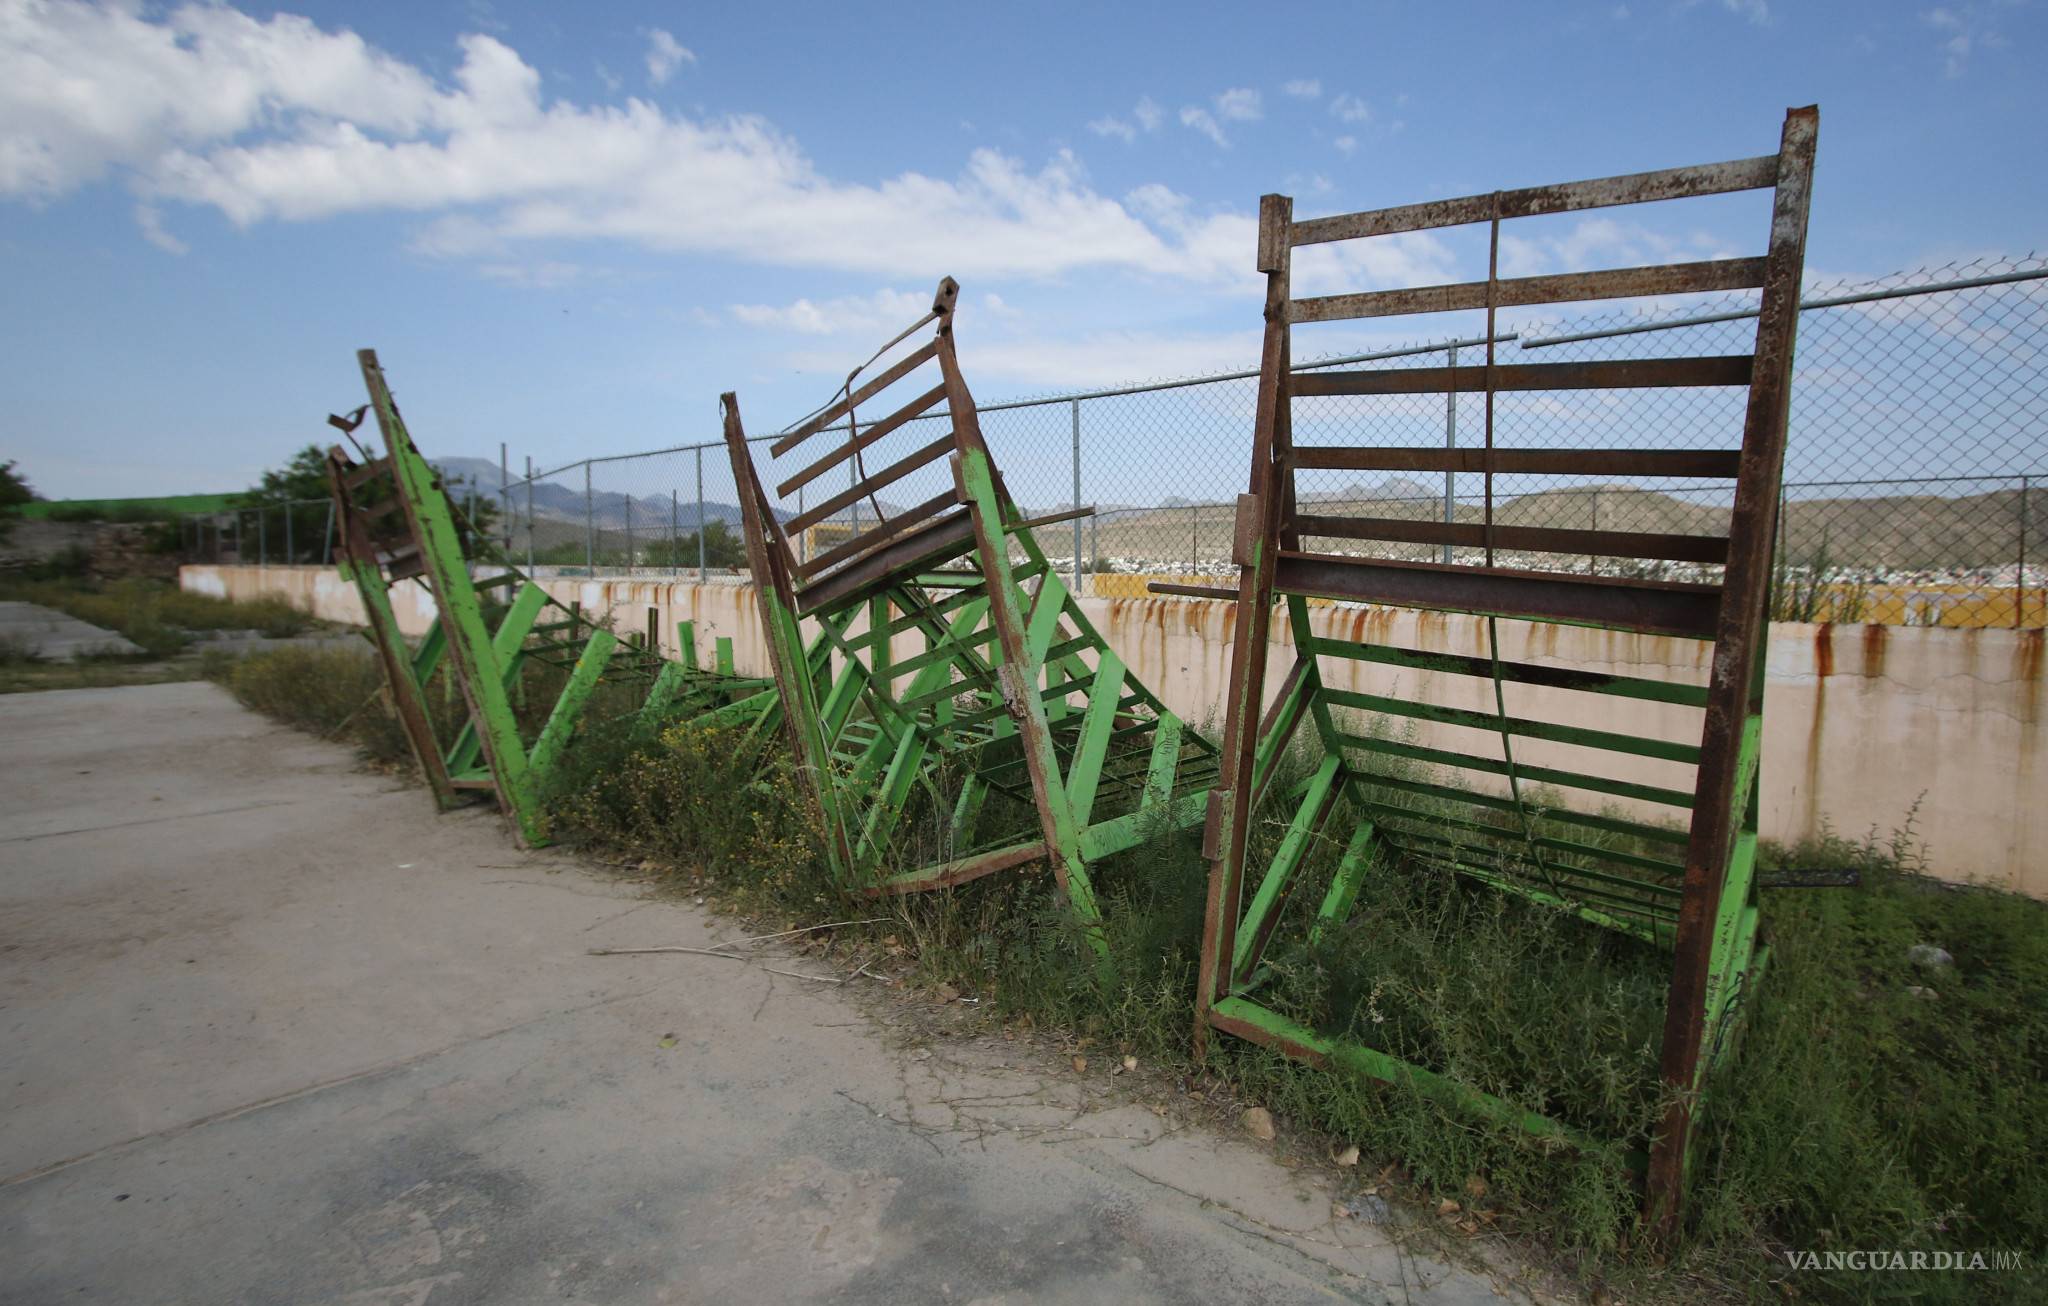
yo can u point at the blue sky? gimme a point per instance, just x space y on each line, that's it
569 228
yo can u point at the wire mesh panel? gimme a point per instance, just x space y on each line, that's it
1483 764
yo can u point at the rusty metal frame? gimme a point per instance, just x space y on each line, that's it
396 522
1011 685
1700 903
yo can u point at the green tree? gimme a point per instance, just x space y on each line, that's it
14 488
284 517
14 492
722 548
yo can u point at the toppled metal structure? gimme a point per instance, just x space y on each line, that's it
494 624
958 650
1476 812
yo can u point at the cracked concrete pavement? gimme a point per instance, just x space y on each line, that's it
274 1032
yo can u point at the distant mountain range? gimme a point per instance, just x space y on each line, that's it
607 509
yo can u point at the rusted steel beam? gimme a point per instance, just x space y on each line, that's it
941 541
1615 374
874 484
881 534
960 872
1522 539
1651 607
902 368
1227 819
1192 591
1717 920
874 433
1701 464
1711 276
1735 691
1634 188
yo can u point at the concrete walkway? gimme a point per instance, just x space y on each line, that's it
56 636
270 1031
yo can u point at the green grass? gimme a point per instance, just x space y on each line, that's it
1855 1113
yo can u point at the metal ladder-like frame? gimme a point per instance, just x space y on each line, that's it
1469 809
397 523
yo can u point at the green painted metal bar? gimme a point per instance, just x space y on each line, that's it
1121 833
1449 793
1098 719
1537 774
440 547
1346 882
1392 811
1656 691
1256 922
1264 1026
568 709
1163 765
1606 740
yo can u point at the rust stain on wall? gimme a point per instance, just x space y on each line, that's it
1824 666
1873 651
2027 670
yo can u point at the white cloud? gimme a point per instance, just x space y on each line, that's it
151 221
1346 107
1239 104
279 120
1201 121
1756 11
1345 144
1112 358
885 310
1412 258
544 274
1963 32
1303 88
1114 126
664 56
1604 242
83 88
1147 114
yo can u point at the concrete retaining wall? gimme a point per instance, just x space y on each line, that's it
1863 724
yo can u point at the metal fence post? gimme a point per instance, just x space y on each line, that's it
529 512
1450 443
675 535
505 491
262 540
589 524
291 555
1076 504
703 576
1194 538
629 532
327 538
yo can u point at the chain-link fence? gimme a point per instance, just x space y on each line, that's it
1918 447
